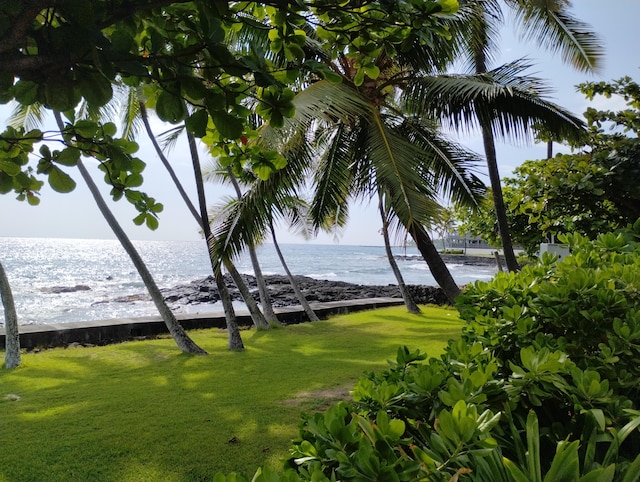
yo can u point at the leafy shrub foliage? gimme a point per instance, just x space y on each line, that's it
542 385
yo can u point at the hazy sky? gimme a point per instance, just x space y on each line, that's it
75 215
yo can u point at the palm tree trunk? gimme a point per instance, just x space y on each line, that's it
235 340
258 318
498 199
480 61
233 332
11 330
184 342
437 266
292 281
409 302
265 299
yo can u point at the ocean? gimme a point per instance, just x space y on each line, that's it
35 266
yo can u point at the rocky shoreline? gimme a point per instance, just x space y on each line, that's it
205 291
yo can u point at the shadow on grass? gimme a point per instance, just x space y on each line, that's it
144 411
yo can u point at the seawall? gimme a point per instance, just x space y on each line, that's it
103 332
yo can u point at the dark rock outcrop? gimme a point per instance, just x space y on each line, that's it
54 290
205 291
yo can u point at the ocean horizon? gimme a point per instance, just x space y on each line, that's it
38 267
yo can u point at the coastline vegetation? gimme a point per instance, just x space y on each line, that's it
143 411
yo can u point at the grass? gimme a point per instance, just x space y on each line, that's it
141 411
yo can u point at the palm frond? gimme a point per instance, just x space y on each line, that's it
512 104
131 116
444 164
333 179
475 31
396 162
27 116
169 139
551 25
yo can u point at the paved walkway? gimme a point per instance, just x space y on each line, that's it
103 332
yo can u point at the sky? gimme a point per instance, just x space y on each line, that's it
75 215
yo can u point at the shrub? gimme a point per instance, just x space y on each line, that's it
454 419
542 385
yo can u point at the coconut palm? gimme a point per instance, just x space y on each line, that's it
263 291
363 149
140 113
291 208
475 32
235 342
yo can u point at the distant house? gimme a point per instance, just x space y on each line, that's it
457 241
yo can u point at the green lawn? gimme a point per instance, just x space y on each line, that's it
144 411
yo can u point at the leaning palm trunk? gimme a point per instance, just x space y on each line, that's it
265 299
436 265
292 281
184 342
258 318
409 302
498 199
235 340
233 332
12 334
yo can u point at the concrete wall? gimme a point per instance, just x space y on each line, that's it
103 332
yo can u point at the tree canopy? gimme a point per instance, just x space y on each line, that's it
589 192
70 57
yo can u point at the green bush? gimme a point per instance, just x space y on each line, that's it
542 385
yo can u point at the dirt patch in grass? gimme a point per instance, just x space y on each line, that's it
320 399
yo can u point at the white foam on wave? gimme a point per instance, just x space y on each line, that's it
322 275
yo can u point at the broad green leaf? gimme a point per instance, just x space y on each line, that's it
227 125
109 129
133 180
533 447
197 123
26 92
633 471
68 157
152 222
566 463
96 89
449 6
6 183
87 129
60 181
139 219
170 107
517 474
32 199
9 168
600 474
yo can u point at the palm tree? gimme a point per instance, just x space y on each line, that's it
11 330
363 149
292 208
235 341
311 315
263 291
551 25
182 339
